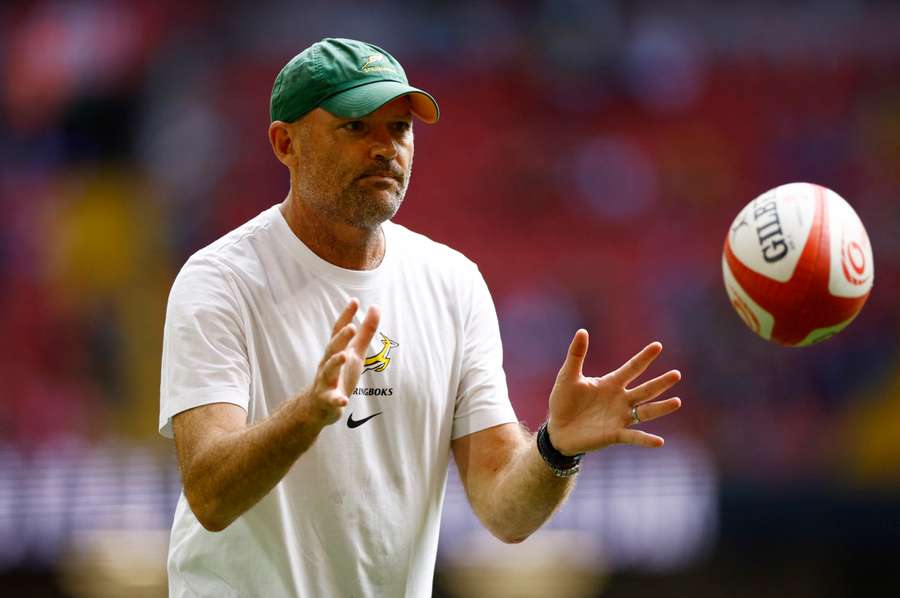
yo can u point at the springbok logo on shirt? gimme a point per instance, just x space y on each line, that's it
380 361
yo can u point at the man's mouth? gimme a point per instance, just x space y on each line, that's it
383 176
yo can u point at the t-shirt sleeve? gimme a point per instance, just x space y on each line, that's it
482 400
204 357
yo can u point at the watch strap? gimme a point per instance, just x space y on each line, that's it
561 465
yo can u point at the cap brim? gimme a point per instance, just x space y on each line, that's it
357 102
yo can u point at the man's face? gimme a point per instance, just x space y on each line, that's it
355 171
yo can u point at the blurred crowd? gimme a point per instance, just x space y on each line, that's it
590 158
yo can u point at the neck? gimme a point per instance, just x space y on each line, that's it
340 244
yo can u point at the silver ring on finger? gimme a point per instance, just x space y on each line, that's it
635 419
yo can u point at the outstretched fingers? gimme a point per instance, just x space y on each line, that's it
360 342
331 370
346 316
650 411
339 341
639 438
638 364
572 367
653 388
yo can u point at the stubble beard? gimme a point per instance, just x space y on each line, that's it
368 209
355 205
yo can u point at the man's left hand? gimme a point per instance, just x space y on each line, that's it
587 414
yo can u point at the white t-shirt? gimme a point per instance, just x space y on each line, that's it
358 514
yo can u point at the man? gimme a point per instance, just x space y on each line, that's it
314 442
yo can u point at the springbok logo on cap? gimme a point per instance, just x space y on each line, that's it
370 60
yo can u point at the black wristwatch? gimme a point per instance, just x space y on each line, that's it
561 465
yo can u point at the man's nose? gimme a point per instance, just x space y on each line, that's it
384 147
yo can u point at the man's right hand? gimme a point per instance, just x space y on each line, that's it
228 466
341 365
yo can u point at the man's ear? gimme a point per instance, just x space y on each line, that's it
283 141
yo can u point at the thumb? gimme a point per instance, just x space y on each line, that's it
575 357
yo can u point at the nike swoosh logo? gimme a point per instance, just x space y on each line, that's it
355 423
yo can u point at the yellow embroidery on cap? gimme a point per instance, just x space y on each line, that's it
370 60
371 65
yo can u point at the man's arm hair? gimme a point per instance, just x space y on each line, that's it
509 486
227 466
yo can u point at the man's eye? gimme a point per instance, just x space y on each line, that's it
354 126
402 126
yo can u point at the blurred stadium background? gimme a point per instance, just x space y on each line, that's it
590 158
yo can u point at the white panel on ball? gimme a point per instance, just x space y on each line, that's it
852 265
769 234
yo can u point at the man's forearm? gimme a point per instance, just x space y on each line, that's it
234 470
525 495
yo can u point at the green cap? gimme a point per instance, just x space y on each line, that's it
348 78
